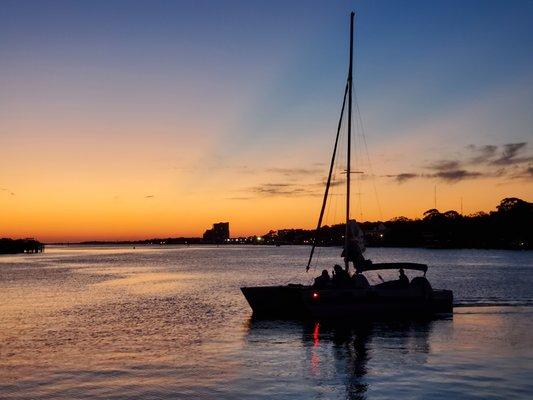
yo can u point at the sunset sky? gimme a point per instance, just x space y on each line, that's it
137 119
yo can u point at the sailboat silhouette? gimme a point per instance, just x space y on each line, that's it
347 296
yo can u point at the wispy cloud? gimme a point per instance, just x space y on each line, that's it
481 154
478 162
525 173
150 196
444 165
333 183
403 177
295 171
283 189
451 175
512 154
7 191
456 175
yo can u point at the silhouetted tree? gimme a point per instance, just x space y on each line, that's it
514 205
431 214
451 214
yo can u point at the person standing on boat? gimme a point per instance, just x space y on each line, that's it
355 247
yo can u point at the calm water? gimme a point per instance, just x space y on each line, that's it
155 323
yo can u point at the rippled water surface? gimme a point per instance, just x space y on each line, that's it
151 323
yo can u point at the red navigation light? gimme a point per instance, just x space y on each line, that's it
315 295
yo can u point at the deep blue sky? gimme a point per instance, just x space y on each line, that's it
445 52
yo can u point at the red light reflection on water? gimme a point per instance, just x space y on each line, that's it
315 359
316 332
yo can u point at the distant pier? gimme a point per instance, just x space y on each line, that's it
17 246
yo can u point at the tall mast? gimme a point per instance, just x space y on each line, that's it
349 152
347 94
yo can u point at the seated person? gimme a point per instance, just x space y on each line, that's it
323 280
401 283
341 278
359 281
403 280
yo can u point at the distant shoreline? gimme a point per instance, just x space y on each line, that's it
134 244
509 227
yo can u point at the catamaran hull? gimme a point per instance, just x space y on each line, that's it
303 302
275 301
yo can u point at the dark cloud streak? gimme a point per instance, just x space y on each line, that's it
295 171
282 189
444 165
510 153
403 177
509 158
481 154
456 175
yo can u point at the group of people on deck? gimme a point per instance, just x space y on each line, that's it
353 252
341 279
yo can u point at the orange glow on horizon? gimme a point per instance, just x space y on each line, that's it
53 216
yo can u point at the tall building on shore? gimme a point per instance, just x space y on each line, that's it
218 234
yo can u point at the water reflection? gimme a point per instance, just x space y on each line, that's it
339 356
147 323
351 349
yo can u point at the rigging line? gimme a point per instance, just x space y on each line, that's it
334 189
329 179
362 185
331 198
339 179
326 218
359 166
363 135
335 196
372 176
318 254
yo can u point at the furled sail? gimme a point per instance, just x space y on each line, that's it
355 237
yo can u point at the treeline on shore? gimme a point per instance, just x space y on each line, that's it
15 246
508 227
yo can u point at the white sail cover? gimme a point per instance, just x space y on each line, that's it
355 236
